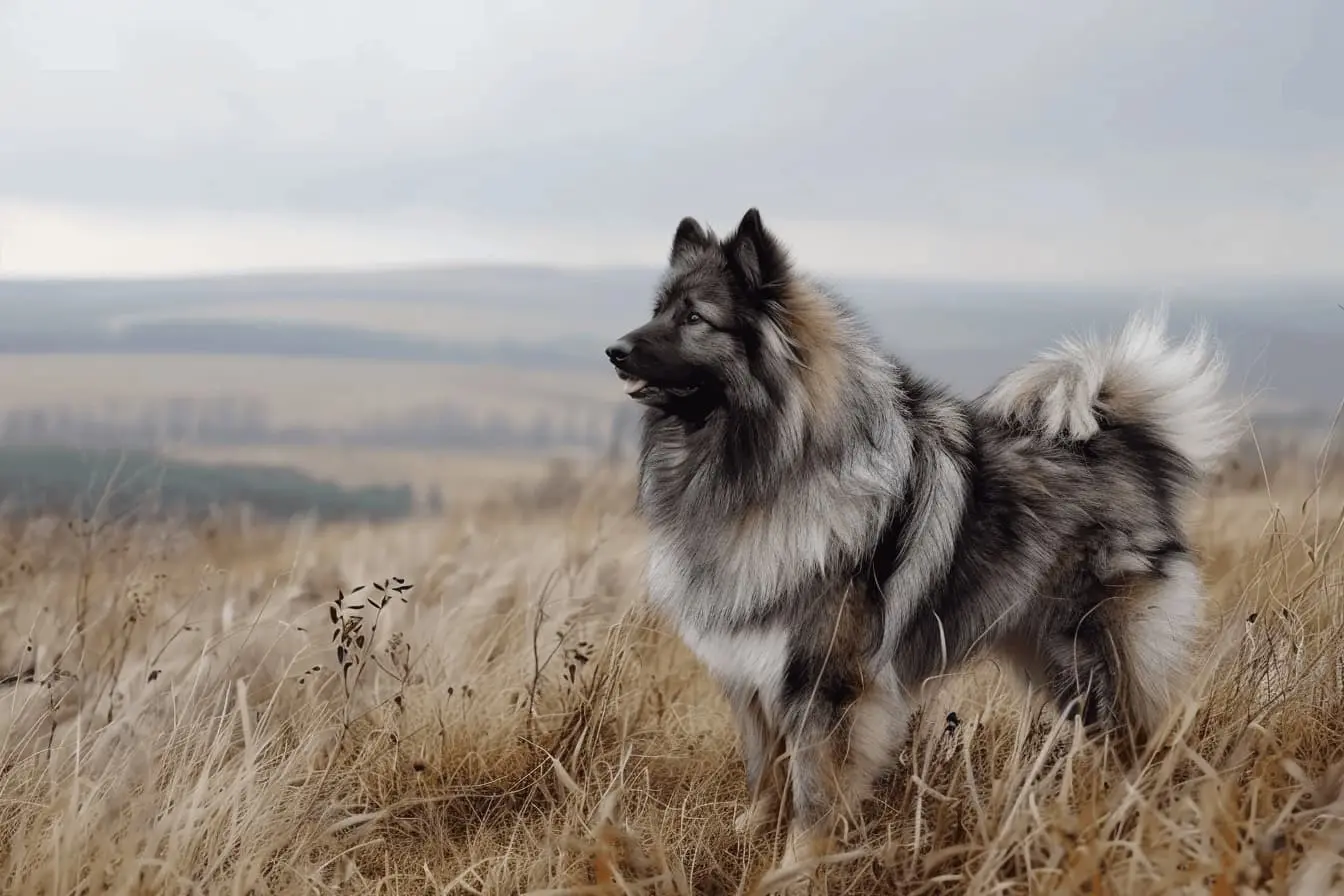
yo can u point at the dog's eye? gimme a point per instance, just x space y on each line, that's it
693 318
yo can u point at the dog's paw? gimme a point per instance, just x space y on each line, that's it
801 851
783 884
756 818
796 869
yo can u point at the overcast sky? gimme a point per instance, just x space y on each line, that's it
950 138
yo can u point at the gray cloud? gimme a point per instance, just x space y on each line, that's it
960 117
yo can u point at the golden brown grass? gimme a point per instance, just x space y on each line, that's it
180 723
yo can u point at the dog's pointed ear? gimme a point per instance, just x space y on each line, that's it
754 254
690 236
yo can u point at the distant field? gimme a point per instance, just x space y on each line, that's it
405 317
299 391
458 475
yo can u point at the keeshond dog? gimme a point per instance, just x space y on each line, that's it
829 529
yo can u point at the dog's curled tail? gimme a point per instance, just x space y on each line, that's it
1135 378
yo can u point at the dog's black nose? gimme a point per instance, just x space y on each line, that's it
618 351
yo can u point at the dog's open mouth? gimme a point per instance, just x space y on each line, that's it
641 389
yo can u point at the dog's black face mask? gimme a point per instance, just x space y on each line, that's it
667 364
705 323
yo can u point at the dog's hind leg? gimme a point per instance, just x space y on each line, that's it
1079 666
762 754
1074 660
1157 634
1123 662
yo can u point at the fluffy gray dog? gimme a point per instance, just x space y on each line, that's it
829 529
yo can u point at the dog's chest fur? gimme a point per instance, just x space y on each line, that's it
751 660
738 566
733 583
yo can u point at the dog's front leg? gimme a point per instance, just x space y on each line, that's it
815 791
837 746
762 750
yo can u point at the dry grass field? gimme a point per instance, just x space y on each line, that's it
227 710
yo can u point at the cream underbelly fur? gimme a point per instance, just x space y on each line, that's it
751 659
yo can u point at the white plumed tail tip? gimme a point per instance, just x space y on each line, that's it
1136 377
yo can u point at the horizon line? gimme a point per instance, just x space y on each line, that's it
1170 281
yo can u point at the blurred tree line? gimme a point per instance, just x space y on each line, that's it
86 483
246 421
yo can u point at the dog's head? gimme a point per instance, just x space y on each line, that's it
716 305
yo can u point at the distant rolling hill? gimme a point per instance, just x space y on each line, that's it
1283 337
286 339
